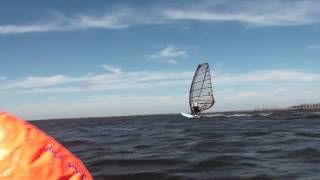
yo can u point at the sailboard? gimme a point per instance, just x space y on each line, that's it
201 94
187 115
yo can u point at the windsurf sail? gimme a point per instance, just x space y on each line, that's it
201 94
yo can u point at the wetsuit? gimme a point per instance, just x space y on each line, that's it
196 110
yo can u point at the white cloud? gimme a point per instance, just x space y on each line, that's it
249 90
106 21
172 61
268 76
117 79
114 79
313 47
279 96
112 69
227 99
102 106
252 13
64 23
266 88
18 29
66 89
168 53
33 82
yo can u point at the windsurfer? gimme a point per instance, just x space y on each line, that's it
200 94
195 109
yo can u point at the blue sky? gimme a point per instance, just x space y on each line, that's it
82 58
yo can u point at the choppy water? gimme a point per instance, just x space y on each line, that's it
234 146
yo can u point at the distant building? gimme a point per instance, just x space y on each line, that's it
306 106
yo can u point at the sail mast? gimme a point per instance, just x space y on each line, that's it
191 88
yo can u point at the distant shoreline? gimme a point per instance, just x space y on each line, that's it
269 110
300 108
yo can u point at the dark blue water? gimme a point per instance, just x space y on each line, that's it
240 146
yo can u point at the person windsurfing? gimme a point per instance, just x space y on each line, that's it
201 93
195 109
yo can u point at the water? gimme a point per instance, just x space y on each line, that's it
234 146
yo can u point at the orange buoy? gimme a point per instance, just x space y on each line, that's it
28 153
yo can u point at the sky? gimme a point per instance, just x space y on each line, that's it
81 58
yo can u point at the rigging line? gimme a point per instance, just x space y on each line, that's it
203 82
196 82
202 100
200 88
192 84
202 73
205 103
209 102
212 100
201 96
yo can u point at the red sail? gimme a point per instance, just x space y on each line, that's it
201 94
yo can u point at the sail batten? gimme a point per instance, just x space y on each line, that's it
201 95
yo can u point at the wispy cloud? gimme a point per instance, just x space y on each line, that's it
283 96
170 54
151 91
101 106
313 47
227 99
118 79
112 69
65 23
252 13
266 88
19 29
33 82
114 79
268 76
172 61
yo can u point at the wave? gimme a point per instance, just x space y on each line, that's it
140 175
166 147
239 115
228 115
306 154
308 134
76 142
256 133
313 115
265 114
214 115
135 162
222 161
